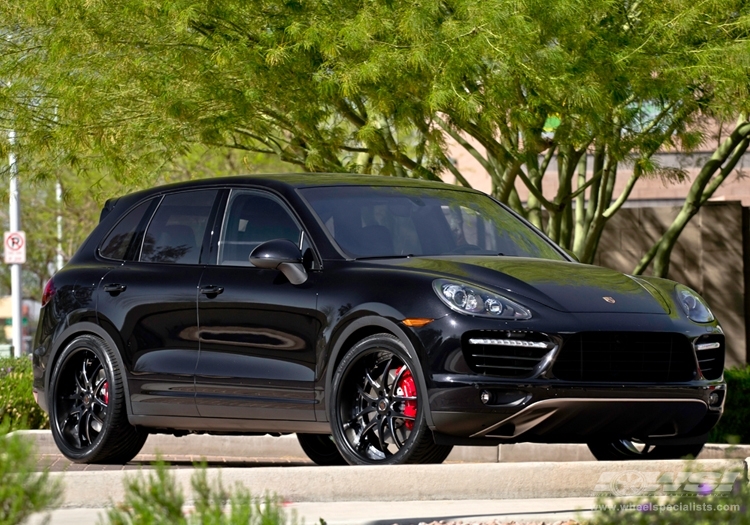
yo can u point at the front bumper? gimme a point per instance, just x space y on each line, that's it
560 414
545 408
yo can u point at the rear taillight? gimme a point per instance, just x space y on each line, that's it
49 292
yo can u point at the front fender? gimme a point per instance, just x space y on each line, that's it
339 347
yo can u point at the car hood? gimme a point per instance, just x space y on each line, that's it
561 285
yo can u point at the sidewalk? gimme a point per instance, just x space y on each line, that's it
477 484
388 512
460 481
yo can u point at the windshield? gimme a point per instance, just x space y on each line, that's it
396 222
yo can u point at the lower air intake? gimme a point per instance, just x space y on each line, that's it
625 357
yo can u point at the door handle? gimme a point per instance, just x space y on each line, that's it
115 288
211 290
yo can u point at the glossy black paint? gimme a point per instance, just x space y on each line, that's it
257 341
156 318
219 348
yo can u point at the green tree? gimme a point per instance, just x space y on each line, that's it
386 87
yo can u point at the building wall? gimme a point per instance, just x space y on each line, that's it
708 257
648 188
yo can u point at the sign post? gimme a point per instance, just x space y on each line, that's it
15 247
15 268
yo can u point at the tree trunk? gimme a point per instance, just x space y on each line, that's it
732 148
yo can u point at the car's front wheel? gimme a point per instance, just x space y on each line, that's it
87 405
376 411
625 449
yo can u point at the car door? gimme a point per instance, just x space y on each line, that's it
257 330
151 301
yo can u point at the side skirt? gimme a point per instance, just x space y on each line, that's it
203 424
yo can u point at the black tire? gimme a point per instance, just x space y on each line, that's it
88 417
380 420
626 449
321 449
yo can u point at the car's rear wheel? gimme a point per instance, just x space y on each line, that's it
625 449
376 411
321 449
87 406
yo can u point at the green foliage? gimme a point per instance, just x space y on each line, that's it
23 490
18 409
158 500
734 425
707 506
124 88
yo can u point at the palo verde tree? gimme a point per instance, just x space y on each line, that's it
530 89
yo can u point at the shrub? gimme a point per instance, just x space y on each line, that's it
17 405
734 426
158 500
701 499
23 491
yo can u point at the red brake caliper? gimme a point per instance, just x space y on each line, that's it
105 393
407 388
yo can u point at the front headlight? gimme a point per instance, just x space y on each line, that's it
467 299
695 308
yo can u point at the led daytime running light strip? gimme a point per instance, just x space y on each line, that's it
707 346
510 342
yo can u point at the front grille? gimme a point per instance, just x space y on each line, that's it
710 357
512 354
623 357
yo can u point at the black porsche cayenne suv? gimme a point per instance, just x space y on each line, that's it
382 320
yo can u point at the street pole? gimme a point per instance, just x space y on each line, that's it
15 269
58 196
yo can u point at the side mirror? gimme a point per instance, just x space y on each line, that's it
282 255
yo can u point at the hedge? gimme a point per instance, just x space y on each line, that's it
17 406
734 425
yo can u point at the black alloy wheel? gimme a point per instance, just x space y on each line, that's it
376 411
321 449
87 410
625 449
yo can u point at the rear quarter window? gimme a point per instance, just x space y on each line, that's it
124 240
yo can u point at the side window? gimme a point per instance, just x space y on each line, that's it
124 241
252 219
175 234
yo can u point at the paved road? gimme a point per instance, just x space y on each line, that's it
401 512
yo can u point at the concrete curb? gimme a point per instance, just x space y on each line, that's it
286 448
399 483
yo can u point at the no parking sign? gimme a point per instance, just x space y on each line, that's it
15 247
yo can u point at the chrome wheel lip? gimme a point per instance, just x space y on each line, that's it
372 420
80 401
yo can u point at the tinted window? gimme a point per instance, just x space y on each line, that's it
123 241
175 234
386 221
251 219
